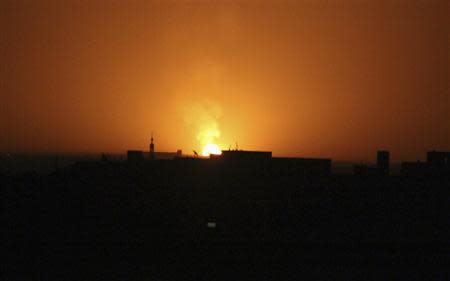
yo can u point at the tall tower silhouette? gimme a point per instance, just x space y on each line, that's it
152 148
383 162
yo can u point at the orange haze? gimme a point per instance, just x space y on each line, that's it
305 78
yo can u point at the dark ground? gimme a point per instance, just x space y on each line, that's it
128 225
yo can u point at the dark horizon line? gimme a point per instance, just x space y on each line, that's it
124 154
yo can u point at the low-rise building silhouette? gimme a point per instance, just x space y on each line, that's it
262 163
437 165
139 155
381 169
135 155
438 158
232 162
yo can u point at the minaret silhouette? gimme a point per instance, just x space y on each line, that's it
152 148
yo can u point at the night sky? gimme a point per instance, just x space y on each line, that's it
332 78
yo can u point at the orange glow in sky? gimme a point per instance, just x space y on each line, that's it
323 78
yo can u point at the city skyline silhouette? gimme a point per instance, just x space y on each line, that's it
225 140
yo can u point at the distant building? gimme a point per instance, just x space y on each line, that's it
383 162
138 155
437 165
161 155
411 169
152 148
233 162
381 169
365 170
135 155
262 162
438 158
245 155
303 167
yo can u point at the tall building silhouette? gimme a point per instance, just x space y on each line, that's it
152 148
383 162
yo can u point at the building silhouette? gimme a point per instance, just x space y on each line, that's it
381 169
152 148
135 155
140 156
438 158
436 165
383 162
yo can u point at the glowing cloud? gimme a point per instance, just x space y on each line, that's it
203 118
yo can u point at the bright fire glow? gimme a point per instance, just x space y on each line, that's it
202 117
211 148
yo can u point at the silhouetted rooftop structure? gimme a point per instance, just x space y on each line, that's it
438 158
233 162
139 155
245 155
135 155
383 162
437 165
365 170
381 168
152 148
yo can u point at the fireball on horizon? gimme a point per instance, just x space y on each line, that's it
211 148
203 118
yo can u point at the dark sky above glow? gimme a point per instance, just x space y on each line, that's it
323 78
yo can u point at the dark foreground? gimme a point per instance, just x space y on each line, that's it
73 226
229 261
